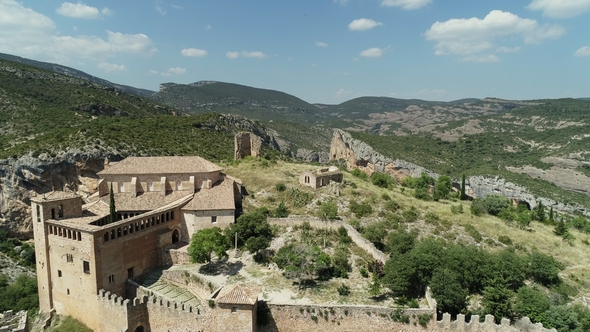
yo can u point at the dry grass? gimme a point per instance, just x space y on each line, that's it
260 180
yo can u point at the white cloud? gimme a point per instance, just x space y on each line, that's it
246 54
193 52
406 4
80 10
560 8
321 44
363 24
106 12
583 51
474 36
169 72
481 58
110 67
342 93
27 33
506 49
160 10
374 52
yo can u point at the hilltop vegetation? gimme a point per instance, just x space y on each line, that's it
475 263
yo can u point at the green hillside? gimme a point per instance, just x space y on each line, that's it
261 104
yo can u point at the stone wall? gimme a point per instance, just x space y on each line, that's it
356 237
292 318
474 325
247 144
11 322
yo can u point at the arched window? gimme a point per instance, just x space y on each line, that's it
150 185
79 236
124 230
60 211
112 234
178 185
175 236
167 216
171 215
131 229
38 213
121 187
153 221
52 213
119 234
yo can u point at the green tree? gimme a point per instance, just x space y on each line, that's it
493 204
463 196
206 242
551 216
443 187
301 261
340 262
561 229
544 269
113 211
400 275
400 242
497 300
374 289
328 211
253 230
382 180
448 291
540 213
532 303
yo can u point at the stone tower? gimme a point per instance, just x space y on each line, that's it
51 206
247 144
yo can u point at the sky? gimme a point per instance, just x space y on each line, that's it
322 51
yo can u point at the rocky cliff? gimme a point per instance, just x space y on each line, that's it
26 176
358 154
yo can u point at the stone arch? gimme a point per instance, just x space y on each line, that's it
153 221
139 329
112 234
175 235
119 232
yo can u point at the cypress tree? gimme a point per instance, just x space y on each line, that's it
551 216
561 228
113 211
541 212
463 195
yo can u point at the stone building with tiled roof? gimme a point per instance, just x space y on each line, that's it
160 202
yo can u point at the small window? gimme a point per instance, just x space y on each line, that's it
178 185
68 291
60 211
106 236
234 309
111 278
121 187
86 265
52 213
70 258
150 185
213 219
59 273
130 273
38 213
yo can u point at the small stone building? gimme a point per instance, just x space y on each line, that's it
321 177
235 308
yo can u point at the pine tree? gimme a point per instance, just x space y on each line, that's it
541 212
561 229
551 216
113 211
463 195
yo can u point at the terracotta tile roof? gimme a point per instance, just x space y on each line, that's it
238 295
161 165
219 197
146 201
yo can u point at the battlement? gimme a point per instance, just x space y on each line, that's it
114 300
474 325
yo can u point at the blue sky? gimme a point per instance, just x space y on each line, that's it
322 51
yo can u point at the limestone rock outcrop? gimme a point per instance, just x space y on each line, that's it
358 154
22 178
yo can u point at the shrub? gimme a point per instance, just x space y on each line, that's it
544 269
493 204
424 319
413 303
343 290
360 210
328 211
392 206
505 239
457 209
382 180
473 232
364 272
280 187
386 197
359 174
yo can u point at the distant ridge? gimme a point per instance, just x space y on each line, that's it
68 71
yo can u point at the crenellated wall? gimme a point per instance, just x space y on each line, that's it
489 325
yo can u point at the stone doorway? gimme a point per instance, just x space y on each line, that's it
175 236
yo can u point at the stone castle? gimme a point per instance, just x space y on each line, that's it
160 202
86 261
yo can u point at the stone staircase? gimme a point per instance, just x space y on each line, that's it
152 281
